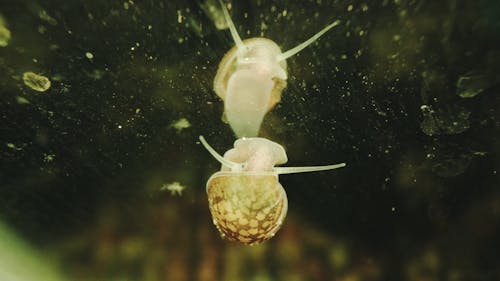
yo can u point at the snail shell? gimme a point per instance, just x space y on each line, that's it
247 207
246 200
251 77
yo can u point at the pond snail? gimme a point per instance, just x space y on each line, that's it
251 77
246 200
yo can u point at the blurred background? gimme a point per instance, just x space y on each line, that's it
102 176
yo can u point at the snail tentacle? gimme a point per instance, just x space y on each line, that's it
236 167
301 46
232 28
292 170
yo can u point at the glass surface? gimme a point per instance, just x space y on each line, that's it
102 175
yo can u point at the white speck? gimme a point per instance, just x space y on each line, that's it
89 55
179 16
22 100
175 188
48 157
14 147
181 124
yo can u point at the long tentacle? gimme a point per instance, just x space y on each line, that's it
232 165
301 46
232 28
292 170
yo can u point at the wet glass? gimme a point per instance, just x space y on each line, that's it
102 175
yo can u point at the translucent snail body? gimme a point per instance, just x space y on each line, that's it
251 77
246 200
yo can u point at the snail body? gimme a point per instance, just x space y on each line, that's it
251 77
246 200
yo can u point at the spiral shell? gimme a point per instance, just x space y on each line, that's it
247 207
247 202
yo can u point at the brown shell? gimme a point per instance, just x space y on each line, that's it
248 208
228 65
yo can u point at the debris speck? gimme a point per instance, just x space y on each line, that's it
13 146
181 124
48 157
179 16
36 82
96 74
22 100
175 188
214 12
4 35
89 55
43 15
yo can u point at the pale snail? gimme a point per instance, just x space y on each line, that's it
246 200
251 77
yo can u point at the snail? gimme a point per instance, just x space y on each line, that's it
246 200
251 77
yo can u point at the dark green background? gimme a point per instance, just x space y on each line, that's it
355 96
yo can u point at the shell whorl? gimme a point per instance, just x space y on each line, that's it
247 207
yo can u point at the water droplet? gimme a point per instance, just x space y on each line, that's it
36 82
449 120
469 86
